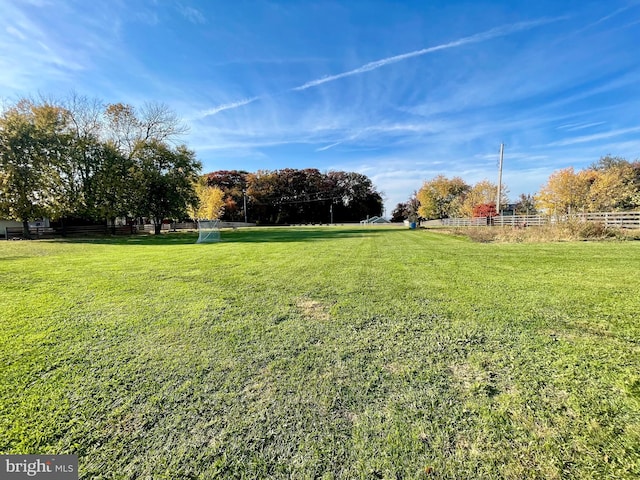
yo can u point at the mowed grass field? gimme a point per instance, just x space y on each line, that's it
330 352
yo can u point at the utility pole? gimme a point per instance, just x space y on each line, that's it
244 192
331 211
500 179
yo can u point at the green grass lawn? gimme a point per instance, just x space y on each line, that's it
323 353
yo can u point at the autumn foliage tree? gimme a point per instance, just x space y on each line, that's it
210 204
484 210
615 186
442 197
233 184
566 191
611 184
297 195
482 194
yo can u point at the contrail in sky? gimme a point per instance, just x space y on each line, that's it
477 38
228 106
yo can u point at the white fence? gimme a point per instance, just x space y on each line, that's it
501 221
608 219
613 219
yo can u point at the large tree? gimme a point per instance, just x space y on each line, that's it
164 180
109 143
400 212
86 156
565 192
615 186
442 197
407 210
75 158
356 197
610 184
34 147
111 190
127 127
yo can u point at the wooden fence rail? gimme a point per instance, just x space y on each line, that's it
608 219
613 219
84 230
37 232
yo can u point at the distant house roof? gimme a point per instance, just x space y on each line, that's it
375 219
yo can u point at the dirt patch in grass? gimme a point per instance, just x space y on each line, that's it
474 379
313 309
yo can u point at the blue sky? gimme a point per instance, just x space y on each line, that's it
400 91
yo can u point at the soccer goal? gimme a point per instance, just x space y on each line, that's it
208 231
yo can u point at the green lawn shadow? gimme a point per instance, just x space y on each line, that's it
240 235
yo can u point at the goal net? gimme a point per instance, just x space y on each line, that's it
208 231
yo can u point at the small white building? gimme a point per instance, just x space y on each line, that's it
35 224
375 219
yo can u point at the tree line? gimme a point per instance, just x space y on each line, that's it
296 196
443 197
80 160
610 184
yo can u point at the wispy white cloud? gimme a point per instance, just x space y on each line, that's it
617 83
444 109
12 30
39 3
609 16
192 14
51 54
631 24
591 138
501 31
269 61
571 127
148 17
384 130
